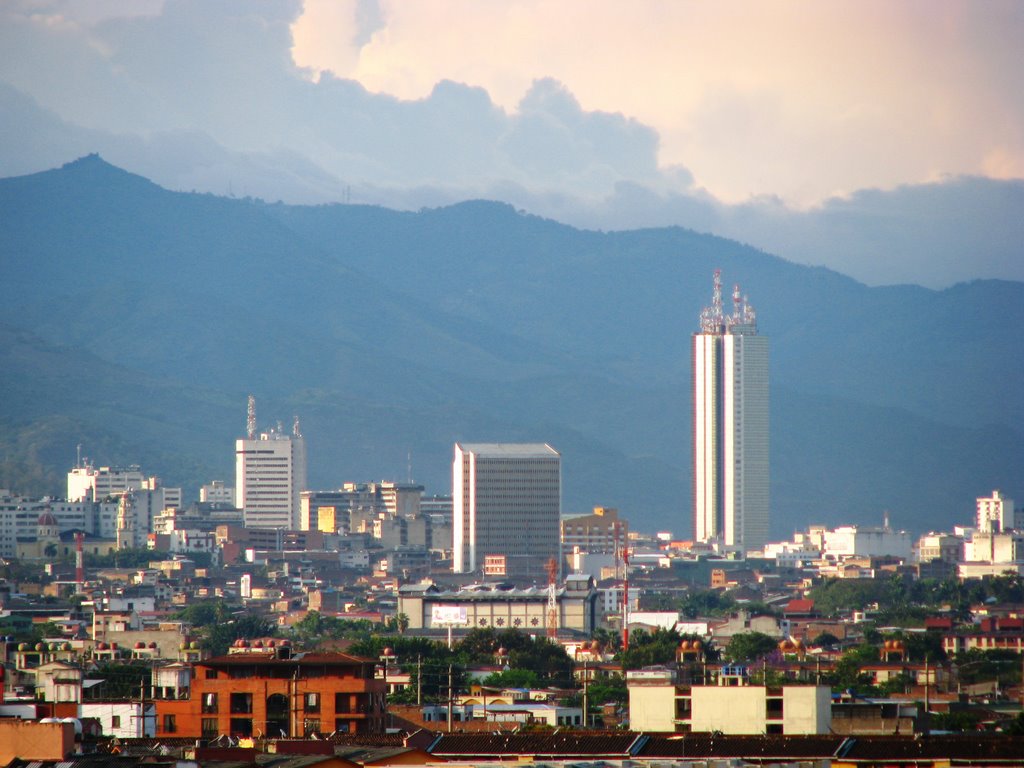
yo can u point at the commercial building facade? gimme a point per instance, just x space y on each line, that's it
270 475
274 693
507 501
497 607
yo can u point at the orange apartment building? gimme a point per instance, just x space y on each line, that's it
269 692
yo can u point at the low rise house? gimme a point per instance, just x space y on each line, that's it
267 690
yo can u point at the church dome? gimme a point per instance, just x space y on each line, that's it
47 519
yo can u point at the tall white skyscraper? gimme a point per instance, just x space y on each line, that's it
507 501
270 476
730 426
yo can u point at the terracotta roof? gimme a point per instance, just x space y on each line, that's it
699 745
550 745
799 606
296 658
977 749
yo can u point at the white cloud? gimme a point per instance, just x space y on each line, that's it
799 99
602 114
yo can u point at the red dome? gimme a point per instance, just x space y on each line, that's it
47 518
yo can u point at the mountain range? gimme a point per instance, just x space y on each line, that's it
137 319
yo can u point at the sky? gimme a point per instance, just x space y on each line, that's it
882 139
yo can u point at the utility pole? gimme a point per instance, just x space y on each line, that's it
419 681
586 708
927 697
450 692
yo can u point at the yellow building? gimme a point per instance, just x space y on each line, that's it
731 705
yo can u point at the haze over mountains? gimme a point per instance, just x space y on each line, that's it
553 158
137 319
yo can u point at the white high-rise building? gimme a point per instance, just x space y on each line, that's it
996 514
216 492
86 483
270 476
730 426
506 500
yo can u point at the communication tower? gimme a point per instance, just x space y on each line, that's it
250 424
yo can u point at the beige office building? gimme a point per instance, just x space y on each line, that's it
507 501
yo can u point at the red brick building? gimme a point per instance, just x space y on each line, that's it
275 693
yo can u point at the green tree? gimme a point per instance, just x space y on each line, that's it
402 623
512 678
955 722
825 639
204 613
647 649
750 646
607 690
217 638
706 602
848 672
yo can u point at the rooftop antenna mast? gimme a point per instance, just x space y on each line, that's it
711 318
250 423
296 430
552 622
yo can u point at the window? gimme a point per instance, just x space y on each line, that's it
170 726
241 727
241 704
342 703
115 721
209 705
312 702
211 674
210 727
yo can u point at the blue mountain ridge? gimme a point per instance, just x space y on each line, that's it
394 334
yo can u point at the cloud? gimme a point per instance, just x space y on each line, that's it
796 99
581 112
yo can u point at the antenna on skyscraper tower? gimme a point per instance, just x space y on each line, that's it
250 422
737 305
296 431
711 317
716 296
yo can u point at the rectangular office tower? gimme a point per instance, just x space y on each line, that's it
270 475
730 426
507 502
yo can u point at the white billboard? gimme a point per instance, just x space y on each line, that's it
448 616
